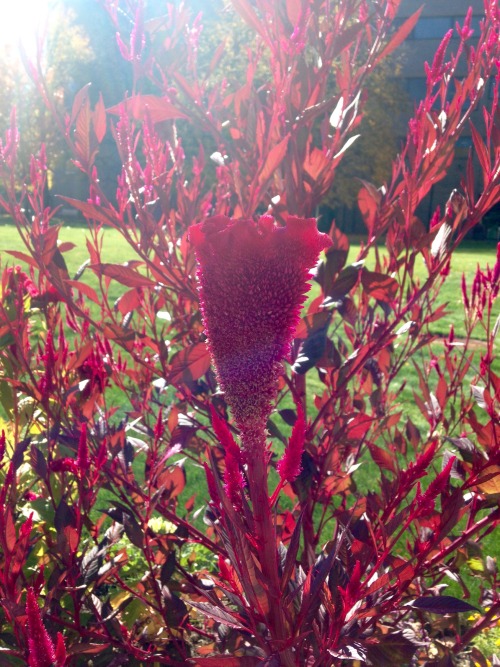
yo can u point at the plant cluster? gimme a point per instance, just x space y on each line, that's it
195 365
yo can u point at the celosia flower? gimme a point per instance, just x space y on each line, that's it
290 465
60 651
41 648
253 278
234 480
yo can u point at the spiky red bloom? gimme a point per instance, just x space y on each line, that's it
41 648
253 278
290 465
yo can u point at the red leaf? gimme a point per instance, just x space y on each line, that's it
245 10
10 530
273 160
79 102
382 457
92 212
334 261
489 481
359 426
311 323
72 538
315 162
189 364
344 39
82 128
156 108
293 10
76 649
23 257
400 36
218 615
368 199
344 283
128 301
99 119
172 481
481 152
65 246
379 285
123 274
84 289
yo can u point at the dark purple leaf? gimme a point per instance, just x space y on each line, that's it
38 462
442 604
311 350
64 516
168 568
291 553
344 283
133 531
218 614
289 416
19 450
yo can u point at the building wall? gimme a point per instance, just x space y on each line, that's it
435 20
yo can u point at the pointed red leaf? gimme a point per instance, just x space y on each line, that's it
123 274
189 364
400 36
99 119
273 160
156 108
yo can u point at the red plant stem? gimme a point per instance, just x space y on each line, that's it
265 533
309 532
488 520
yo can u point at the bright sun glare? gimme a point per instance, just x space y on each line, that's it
21 20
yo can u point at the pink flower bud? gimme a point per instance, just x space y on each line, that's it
41 648
290 465
60 651
465 296
82 459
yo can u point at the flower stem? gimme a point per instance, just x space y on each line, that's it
265 534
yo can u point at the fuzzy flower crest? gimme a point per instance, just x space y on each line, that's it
253 279
41 649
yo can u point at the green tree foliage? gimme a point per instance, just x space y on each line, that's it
60 57
380 132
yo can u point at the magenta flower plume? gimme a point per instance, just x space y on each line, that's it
41 648
234 481
290 466
253 279
60 651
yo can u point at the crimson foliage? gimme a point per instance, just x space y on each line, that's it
111 402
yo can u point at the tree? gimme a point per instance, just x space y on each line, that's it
64 52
